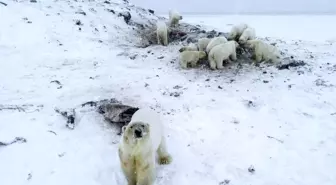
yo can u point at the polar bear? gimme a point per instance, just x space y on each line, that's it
248 34
141 139
203 43
222 52
190 47
191 57
162 33
214 42
174 18
263 51
236 31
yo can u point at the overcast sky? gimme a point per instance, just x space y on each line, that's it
237 6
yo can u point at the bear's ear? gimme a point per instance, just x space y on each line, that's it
123 129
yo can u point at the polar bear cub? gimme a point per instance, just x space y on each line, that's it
248 34
141 139
222 52
263 51
162 33
214 42
174 18
190 47
203 43
236 31
191 57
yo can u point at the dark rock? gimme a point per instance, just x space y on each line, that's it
80 12
225 182
265 81
110 10
78 23
291 64
151 11
211 34
3 3
161 57
107 2
251 169
175 94
300 72
33 1
251 103
29 22
177 87
133 56
219 87
127 16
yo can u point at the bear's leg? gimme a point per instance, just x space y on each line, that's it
183 64
164 157
194 63
234 56
212 63
219 63
165 40
258 57
158 37
146 177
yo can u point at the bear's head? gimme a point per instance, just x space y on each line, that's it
232 35
236 44
202 54
250 44
136 132
182 49
242 40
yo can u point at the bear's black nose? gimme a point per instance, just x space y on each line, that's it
138 133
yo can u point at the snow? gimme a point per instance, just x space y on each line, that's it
213 133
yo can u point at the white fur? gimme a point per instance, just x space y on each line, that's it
236 31
248 34
137 156
263 51
222 52
174 18
214 42
190 47
162 33
192 57
203 43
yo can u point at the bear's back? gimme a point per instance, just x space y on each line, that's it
153 119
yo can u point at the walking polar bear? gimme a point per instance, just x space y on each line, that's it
214 42
141 139
222 52
174 18
162 33
191 57
237 31
263 51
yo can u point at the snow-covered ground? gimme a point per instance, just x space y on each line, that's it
218 123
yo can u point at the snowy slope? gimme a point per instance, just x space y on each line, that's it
218 123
